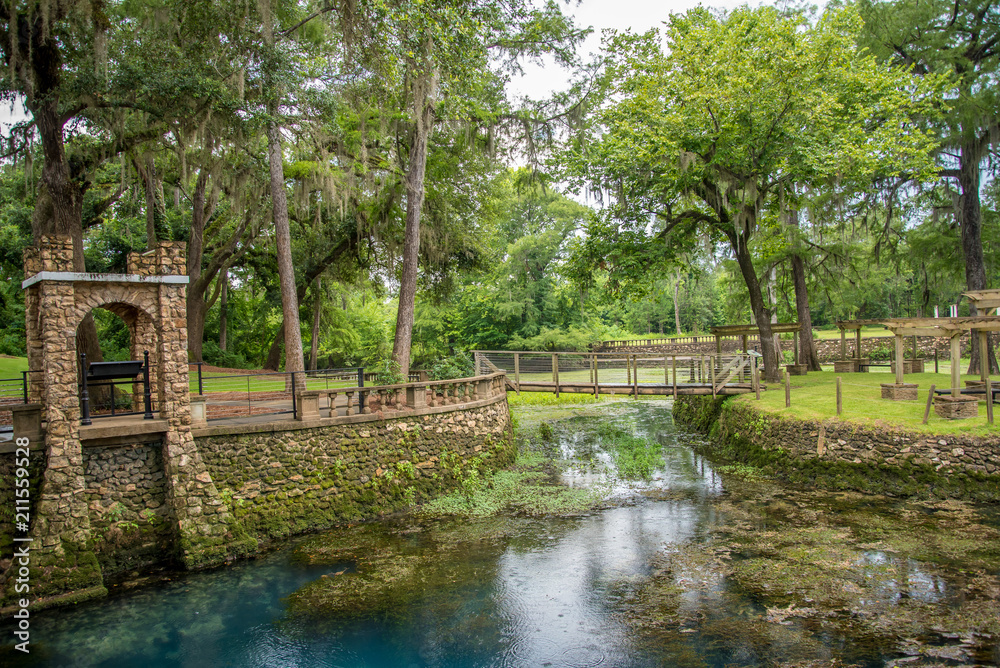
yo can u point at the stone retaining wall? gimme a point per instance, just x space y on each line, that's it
285 482
827 349
843 455
274 480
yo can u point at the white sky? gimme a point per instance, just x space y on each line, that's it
637 15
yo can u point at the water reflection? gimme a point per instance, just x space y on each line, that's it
514 592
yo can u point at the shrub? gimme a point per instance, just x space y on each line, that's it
881 353
459 365
389 372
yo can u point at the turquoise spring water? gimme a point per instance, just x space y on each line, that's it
554 594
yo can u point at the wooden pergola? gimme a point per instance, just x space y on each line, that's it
856 325
745 331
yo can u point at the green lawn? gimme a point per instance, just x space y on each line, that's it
814 397
11 367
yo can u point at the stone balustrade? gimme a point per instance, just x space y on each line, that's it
394 398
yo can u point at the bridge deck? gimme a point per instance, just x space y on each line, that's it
656 389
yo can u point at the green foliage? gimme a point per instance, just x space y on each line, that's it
881 353
389 373
634 457
459 365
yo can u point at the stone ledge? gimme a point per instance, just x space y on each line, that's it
124 429
297 425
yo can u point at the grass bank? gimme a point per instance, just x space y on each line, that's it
814 397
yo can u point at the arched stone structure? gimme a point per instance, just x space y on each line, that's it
151 301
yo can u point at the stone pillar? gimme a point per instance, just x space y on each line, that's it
62 559
203 522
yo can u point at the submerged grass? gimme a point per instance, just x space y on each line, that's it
634 457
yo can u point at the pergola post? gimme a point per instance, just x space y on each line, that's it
746 348
899 359
857 338
956 363
843 345
984 364
718 344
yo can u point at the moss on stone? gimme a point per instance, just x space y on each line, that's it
887 461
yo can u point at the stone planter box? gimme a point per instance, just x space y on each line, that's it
903 392
979 383
797 369
956 408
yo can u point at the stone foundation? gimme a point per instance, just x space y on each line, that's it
900 392
956 408
797 369
845 366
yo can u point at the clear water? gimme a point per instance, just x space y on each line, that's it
552 594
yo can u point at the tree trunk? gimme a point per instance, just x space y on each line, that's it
58 211
196 307
224 311
762 314
677 304
970 221
808 346
283 240
273 361
411 240
155 206
314 340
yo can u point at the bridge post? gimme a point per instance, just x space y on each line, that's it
712 362
555 372
635 376
593 373
673 364
477 362
517 373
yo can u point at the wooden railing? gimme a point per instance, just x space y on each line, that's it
407 396
613 369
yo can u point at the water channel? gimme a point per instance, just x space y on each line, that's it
686 564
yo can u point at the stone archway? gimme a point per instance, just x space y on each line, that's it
151 301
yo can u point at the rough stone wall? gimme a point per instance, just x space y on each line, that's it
281 483
827 349
126 495
883 459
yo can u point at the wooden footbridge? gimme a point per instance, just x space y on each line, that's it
634 374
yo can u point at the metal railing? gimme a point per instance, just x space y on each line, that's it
101 394
267 393
13 391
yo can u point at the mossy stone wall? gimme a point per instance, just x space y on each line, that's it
130 519
285 482
841 455
274 483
